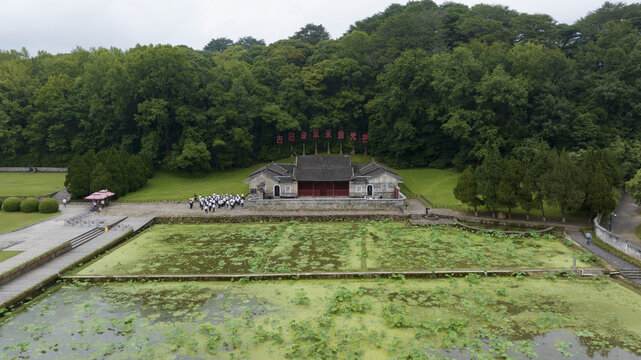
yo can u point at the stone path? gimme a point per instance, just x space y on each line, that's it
40 276
627 219
578 237
39 238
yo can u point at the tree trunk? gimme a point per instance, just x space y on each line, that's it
365 149
328 152
476 213
341 152
315 147
527 215
542 210
303 149
563 214
509 211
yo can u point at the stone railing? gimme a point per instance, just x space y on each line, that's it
38 168
618 242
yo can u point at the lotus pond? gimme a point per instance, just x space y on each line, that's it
333 246
473 317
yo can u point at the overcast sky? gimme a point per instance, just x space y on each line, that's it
61 25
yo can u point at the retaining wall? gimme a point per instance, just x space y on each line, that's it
40 169
618 242
325 204
35 262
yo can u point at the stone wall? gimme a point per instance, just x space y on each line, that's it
340 204
40 169
618 242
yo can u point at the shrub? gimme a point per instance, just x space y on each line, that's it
11 204
29 205
1 201
48 206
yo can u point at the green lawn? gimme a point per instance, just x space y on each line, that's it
10 221
4 255
181 186
30 183
435 184
438 186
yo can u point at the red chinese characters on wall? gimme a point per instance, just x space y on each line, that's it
341 135
279 139
365 138
352 135
303 135
315 133
328 134
291 137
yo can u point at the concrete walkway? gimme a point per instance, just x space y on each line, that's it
182 209
627 219
40 276
578 237
39 238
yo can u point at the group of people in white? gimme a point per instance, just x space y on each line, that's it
210 203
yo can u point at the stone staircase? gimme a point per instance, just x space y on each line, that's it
632 274
91 234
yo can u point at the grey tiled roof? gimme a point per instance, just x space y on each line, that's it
323 168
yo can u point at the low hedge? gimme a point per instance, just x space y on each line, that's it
11 204
48 206
29 205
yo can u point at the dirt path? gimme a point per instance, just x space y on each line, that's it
627 219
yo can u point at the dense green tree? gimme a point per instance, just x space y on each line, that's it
194 158
598 193
533 154
466 189
100 178
432 85
509 186
218 44
563 183
489 175
247 42
311 34
633 187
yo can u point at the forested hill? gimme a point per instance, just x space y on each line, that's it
431 85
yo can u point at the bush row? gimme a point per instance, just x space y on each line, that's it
29 205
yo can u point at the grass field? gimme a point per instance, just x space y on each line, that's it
437 185
22 184
4 255
10 221
323 247
180 186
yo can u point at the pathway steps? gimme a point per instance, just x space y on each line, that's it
25 284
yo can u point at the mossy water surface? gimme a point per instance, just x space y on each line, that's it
475 317
327 247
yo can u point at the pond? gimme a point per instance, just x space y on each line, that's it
328 247
474 317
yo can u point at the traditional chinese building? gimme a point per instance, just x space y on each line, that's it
324 176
